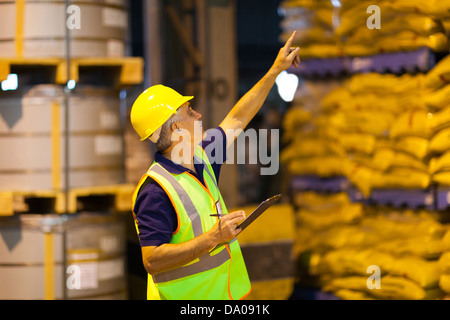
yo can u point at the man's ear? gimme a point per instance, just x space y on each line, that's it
174 126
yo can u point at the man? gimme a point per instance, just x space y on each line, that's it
174 200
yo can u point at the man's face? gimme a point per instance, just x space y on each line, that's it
191 121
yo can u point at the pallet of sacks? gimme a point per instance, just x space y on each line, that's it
436 95
314 21
407 247
331 29
403 26
444 271
394 129
381 131
309 148
319 217
379 125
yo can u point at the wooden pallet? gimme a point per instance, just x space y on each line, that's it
124 71
116 198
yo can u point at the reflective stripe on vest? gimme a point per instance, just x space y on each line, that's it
206 261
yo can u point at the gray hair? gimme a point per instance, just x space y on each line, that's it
165 137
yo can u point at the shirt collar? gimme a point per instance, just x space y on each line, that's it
175 168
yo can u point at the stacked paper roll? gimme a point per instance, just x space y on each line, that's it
31 29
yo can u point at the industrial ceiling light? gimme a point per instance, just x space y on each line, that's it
287 84
11 82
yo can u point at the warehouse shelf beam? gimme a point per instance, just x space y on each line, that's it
421 60
435 197
129 69
115 198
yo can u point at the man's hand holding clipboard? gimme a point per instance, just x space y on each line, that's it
263 206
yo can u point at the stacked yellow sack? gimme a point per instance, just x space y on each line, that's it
446 25
404 247
444 268
400 28
346 29
319 214
354 122
436 95
437 9
386 139
314 23
392 288
312 153
404 162
310 148
349 134
444 265
414 111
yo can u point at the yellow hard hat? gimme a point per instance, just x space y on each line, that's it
153 107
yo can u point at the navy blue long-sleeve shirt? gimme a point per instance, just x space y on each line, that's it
156 216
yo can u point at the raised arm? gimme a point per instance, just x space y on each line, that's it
247 107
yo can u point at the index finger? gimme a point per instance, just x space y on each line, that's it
290 40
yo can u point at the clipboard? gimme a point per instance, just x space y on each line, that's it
263 206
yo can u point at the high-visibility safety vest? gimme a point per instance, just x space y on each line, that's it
220 275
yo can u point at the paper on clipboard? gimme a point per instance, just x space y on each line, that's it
263 206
